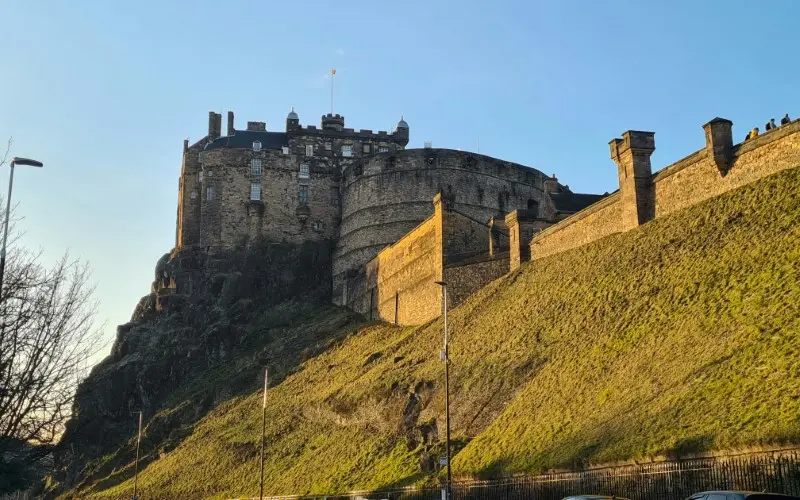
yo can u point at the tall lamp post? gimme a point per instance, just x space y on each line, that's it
263 430
14 162
446 358
136 472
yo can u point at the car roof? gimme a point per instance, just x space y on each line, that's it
744 493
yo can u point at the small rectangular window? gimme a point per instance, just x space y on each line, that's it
334 196
209 193
305 172
347 150
200 157
383 149
255 191
309 150
256 145
328 146
285 150
366 149
303 196
255 166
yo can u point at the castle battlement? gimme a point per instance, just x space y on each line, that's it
445 158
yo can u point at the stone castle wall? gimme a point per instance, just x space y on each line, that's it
720 167
399 284
697 177
464 279
402 278
388 196
230 214
216 207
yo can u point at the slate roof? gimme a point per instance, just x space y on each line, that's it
245 139
568 202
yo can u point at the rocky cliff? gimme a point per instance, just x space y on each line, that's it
209 311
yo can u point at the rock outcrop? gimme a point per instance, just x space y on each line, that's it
206 309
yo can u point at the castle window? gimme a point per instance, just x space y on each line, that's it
328 146
305 172
193 195
255 166
533 205
200 176
366 148
256 145
347 150
285 150
383 149
209 193
318 226
255 191
309 150
303 194
200 157
334 196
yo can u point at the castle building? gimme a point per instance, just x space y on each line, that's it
362 190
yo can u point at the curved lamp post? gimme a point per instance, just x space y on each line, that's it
14 162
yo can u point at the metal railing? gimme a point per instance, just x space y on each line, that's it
676 480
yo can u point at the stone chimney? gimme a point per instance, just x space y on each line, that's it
231 129
632 156
214 124
257 126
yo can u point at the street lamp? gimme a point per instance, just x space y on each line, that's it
446 358
14 161
263 430
136 473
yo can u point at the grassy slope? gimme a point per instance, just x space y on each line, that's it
680 335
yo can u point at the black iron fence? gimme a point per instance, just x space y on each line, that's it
657 481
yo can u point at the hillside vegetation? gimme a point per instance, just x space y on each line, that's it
678 336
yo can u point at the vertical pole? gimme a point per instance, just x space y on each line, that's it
5 230
136 473
333 72
371 302
263 431
447 395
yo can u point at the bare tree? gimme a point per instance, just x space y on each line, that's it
47 335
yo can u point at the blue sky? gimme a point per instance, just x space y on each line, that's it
105 92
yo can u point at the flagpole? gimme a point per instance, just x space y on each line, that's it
333 72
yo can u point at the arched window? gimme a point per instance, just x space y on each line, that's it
533 205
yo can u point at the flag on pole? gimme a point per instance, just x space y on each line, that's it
333 71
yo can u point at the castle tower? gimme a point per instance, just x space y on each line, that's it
402 132
292 121
333 122
632 156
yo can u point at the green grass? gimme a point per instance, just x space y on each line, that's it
679 336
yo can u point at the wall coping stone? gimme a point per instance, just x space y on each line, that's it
578 216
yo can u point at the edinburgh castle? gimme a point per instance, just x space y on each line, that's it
398 219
